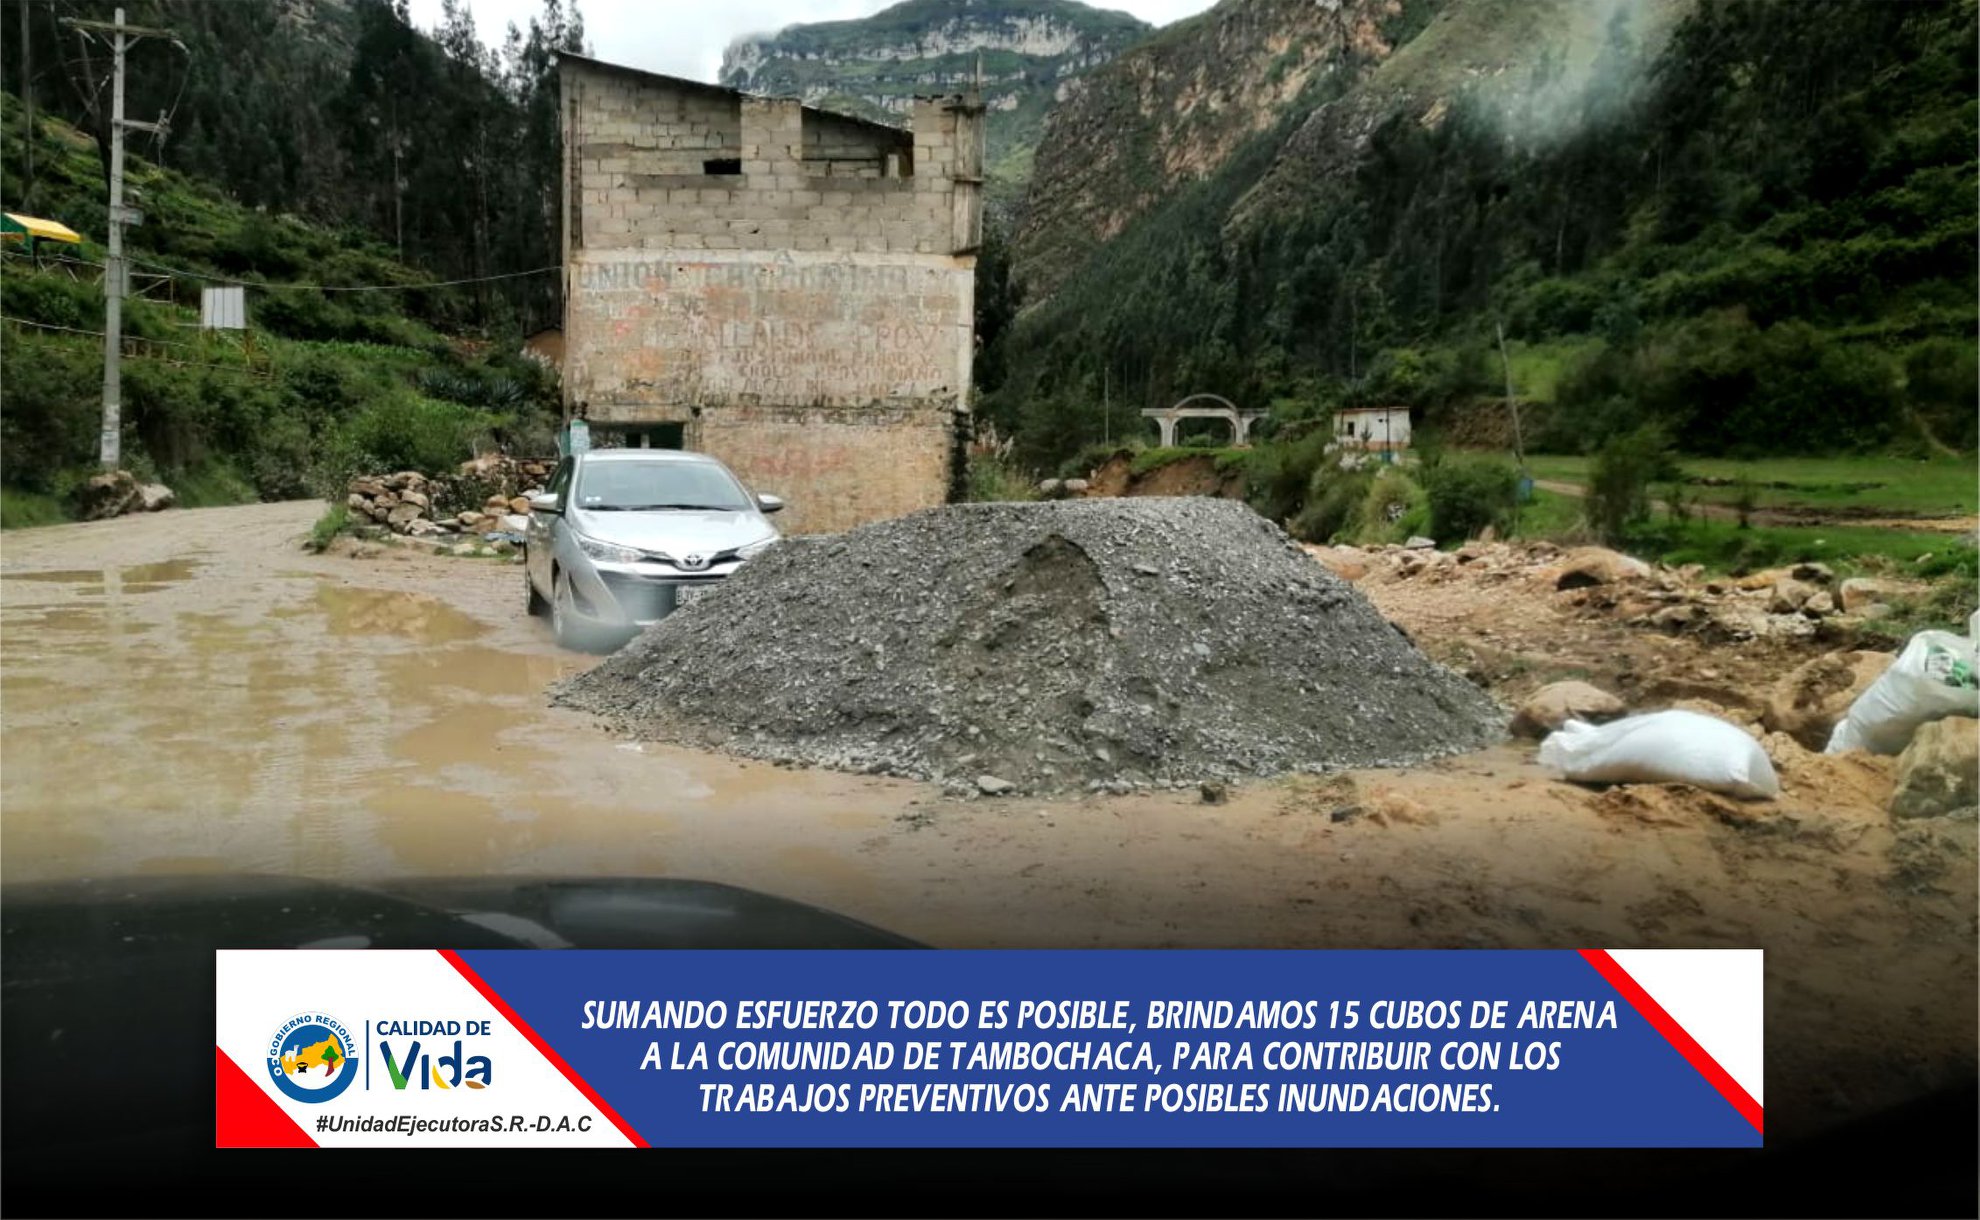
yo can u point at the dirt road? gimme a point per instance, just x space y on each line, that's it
191 692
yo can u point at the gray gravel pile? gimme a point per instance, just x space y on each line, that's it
1096 644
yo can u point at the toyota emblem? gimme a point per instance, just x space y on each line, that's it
694 562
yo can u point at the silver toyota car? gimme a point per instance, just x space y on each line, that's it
621 537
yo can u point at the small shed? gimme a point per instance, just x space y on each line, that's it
1375 429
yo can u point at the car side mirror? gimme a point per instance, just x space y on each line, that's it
544 502
769 503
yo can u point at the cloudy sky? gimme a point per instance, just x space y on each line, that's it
686 37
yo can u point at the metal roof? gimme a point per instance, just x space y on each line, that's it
15 224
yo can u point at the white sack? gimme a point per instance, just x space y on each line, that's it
1933 677
1673 747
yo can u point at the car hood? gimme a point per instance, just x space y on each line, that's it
675 532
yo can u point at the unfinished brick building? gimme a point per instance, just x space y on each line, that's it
786 288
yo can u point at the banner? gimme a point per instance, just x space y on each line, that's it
1008 1048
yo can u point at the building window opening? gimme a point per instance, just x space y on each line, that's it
722 166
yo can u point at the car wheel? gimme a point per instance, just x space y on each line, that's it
536 604
563 615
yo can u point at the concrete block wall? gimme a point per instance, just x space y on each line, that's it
808 318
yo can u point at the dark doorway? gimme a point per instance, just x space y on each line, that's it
657 436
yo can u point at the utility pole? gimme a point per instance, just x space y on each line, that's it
27 96
114 273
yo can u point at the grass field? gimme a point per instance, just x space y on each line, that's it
1940 487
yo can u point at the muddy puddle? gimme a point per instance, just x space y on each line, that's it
304 723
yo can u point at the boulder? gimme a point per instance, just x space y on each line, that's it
1937 772
1823 603
1419 543
402 516
1596 565
1861 591
415 497
1813 573
155 496
1789 595
1806 702
495 504
990 785
1553 705
110 494
1346 562
1076 487
519 504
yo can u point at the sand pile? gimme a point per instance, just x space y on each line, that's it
1096 644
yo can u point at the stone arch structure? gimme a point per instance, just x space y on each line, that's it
1204 406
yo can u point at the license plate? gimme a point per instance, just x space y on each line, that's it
683 594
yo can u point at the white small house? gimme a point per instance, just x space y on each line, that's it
1375 429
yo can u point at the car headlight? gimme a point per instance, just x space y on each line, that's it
608 552
755 548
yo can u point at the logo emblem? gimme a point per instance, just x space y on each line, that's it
309 1057
694 562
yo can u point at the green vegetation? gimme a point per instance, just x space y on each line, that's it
1760 238
325 384
335 520
1862 485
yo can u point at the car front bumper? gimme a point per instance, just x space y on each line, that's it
633 595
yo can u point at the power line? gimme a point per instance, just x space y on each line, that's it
137 339
221 279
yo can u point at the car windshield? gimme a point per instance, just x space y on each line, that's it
633 486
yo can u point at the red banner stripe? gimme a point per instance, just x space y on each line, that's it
246 1117
502 1006
1675 1034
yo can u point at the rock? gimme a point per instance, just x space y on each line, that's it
1937 772
1820 605
1789 595
1419 543
1546 709
1345 813
1813 573
1343 561
1146 569
1596 565
401 516
1808 701
519 504
155 496
110 494
469 518
1076 487
416 497
420 527
1213 792
1489 534
355 501
1766 578
495 504
1860 591
1680 616
990 785
1049 487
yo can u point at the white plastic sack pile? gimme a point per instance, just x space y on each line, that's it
1673 747
1933 677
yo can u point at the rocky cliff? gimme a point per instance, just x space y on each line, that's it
1297 86
1026 53
1173 109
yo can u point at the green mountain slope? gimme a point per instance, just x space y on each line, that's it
324 383
1750 222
